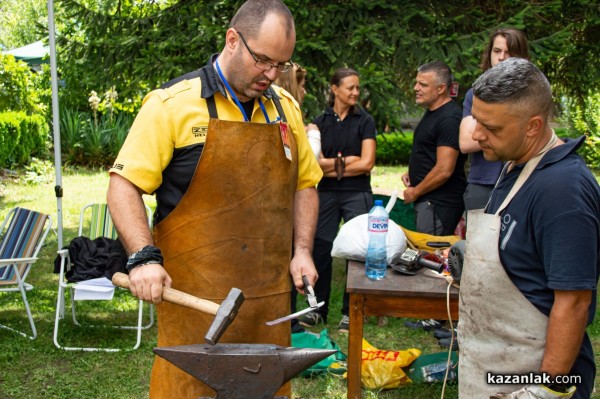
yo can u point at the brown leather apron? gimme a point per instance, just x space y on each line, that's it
499 330
232 228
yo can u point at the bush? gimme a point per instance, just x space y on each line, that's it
21 137
18 87
590 152
394 148
92 139
583 119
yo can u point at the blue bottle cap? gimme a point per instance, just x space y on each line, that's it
378 202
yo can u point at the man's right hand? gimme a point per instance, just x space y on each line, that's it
147 281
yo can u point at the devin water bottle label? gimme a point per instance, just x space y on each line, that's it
378 225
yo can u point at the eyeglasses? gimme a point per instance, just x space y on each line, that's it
263 64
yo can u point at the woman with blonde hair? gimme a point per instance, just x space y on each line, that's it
294 81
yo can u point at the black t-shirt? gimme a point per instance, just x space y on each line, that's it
438 128
345 136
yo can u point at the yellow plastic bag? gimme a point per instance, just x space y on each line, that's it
382 369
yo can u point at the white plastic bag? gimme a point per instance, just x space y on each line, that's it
353 238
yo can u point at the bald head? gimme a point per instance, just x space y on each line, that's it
251 15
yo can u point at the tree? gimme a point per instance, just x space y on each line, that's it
22 22
136 47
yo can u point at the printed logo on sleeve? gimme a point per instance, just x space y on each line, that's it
200 131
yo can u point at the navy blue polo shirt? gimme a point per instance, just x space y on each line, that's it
550 235
550 230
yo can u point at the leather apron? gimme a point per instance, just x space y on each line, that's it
499 329
232 228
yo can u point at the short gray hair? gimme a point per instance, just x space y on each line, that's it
442 72
518 82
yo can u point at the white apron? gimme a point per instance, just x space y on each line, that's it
499 330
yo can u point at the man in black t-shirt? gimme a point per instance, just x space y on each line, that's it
436 178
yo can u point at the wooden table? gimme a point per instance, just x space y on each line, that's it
421 296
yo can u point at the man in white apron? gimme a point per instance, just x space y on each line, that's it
234 177
528 288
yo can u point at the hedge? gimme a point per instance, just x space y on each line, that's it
21 137
394 148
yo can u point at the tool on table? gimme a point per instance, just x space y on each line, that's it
224 313
312 303
412 260
241 371
456 258
438 244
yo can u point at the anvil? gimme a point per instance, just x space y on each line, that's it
242 371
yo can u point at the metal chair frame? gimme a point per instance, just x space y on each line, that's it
101 225
19 248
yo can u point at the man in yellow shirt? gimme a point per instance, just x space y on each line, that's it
234 177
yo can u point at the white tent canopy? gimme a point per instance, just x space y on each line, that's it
33 53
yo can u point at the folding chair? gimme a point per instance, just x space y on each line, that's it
100 225
19 248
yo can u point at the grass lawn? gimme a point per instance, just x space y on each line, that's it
37 369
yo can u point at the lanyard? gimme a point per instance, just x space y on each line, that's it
237 102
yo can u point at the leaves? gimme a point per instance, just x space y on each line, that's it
138 46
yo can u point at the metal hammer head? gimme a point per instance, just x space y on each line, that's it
224 316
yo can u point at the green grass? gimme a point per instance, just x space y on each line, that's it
37 369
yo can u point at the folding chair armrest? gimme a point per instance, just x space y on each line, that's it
17 261
65 265
63 253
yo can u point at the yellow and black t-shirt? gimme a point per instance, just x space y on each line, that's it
165 142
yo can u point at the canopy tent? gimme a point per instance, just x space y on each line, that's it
34 54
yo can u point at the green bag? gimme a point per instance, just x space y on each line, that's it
335 363
432 367
403 214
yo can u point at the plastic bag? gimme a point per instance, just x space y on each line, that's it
353 238
382 369
334 363
432 367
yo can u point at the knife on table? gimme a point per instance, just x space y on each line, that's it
312 303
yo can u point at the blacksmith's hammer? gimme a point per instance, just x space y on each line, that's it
224 313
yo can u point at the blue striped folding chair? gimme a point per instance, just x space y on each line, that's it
94 222
20 244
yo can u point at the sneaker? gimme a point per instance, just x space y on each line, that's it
429 324
445 343
311 319
296 327
344 325
443 333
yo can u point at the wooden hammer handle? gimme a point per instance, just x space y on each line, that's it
172 295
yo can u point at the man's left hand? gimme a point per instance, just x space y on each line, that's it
535 392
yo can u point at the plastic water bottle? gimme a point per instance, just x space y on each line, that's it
376 263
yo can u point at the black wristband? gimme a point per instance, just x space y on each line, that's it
146 255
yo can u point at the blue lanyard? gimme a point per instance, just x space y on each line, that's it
237 102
